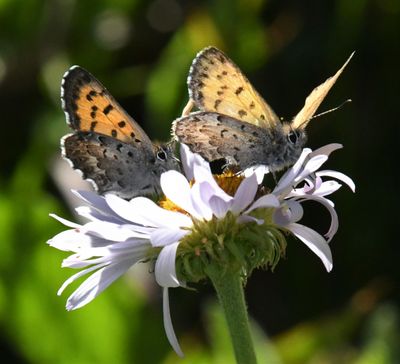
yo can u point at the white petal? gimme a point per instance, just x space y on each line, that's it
201 193
187 161
97 202
110 231
327 149
67 239
334 217
288 177
245 194
340 176
311 166
176 187
264 202
65 222
190 160
260 171
315 242
96 284
165 236
141 210
91 213
291 211
327 188
78 275
169 329
218 206
165 271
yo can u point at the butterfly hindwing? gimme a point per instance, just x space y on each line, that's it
216 136
90 107
216 84
112 165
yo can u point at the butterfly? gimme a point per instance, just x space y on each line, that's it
107 145
234 122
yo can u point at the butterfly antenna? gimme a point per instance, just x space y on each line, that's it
334 109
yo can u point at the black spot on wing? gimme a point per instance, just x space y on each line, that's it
107 109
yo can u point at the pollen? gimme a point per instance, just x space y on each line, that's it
167 204
229 181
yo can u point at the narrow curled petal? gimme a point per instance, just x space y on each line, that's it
315 242
290 212
169 329
340 176
165 267
334 217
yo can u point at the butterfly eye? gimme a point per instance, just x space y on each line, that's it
161 155
292 137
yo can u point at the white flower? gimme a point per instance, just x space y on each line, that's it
122 233
314 188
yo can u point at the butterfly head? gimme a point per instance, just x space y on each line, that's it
165 159
295 137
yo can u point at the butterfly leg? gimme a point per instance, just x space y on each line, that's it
188 108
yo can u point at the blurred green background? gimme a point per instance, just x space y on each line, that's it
141 50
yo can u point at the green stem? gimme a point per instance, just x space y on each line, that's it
231 297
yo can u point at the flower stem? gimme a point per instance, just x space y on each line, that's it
231 297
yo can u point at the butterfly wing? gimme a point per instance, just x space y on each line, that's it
315 99
216 84
112 165
215 136
89 106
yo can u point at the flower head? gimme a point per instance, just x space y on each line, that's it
240 230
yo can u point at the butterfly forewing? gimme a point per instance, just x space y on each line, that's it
315 99
90 107
217 84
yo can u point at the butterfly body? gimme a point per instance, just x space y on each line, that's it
234 122
108 146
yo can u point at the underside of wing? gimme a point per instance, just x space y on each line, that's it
112 165
90 107
215 136
216 84
315 99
